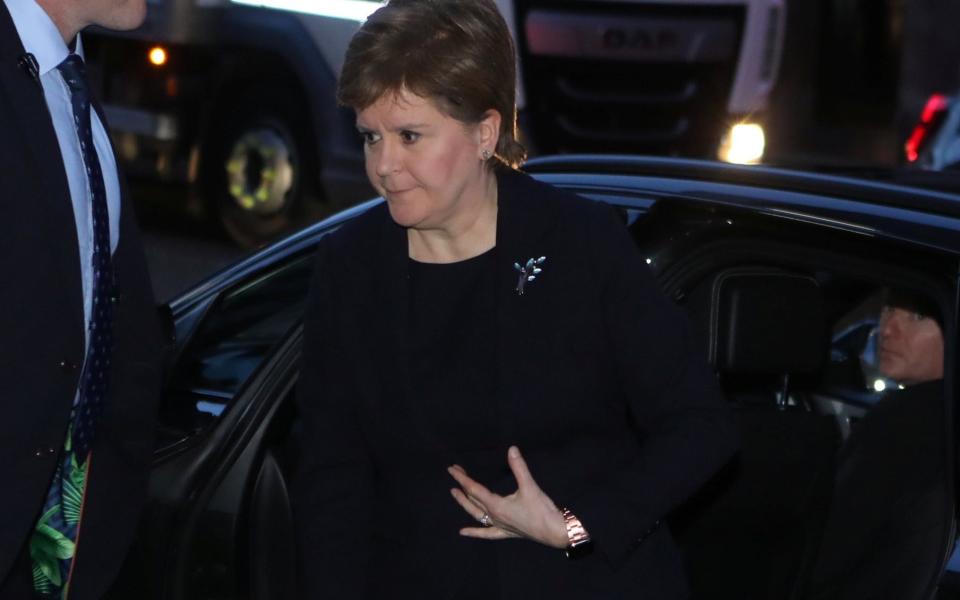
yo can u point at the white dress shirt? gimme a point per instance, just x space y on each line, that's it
41 38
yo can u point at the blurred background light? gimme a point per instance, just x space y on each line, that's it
157 56
351 10
744 144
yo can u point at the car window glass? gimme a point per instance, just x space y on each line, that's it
841 487
232 340
853 368
890 479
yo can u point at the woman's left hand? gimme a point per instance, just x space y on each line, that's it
527 513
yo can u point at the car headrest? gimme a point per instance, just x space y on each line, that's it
762 320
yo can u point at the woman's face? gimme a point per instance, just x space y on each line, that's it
427 165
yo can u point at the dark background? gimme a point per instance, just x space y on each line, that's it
854 77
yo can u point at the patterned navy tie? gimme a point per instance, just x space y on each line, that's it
53 542
95 377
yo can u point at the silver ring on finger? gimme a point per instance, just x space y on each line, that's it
485 520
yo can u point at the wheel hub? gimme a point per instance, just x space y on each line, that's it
260 172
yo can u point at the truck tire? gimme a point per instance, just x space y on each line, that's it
261 172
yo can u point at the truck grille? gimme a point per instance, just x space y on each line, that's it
621 77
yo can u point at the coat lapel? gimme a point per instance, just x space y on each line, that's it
393 288
524 221
26 100
398 410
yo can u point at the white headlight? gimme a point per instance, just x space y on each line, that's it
743 144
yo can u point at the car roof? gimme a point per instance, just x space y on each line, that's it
880 193
920 216
917 215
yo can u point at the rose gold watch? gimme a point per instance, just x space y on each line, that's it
580 543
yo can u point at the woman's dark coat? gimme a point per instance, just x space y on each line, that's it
615 411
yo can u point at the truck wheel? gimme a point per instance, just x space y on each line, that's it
261 177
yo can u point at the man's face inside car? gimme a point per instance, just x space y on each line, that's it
911 345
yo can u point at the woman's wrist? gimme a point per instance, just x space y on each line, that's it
578 539
558 537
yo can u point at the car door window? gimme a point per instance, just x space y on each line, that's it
889 510
842 484
231 341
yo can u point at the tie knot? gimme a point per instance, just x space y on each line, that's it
74 73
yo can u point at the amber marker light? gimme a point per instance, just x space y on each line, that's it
157 56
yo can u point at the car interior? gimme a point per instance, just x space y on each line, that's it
810 507
764 330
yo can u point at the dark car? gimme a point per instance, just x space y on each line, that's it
782 274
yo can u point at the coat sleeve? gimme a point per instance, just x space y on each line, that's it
332 487
686 429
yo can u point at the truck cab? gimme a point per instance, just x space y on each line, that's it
235 99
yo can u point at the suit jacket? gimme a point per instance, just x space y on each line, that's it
599 385
42 349
891 510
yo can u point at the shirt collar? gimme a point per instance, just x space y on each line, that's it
39 35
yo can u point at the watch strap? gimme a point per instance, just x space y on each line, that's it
578 538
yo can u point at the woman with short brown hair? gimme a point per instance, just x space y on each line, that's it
456 53
476 314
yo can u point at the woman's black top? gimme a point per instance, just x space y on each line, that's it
452 354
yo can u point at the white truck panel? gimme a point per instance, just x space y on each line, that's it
759 50
751 86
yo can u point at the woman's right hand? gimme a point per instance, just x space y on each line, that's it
527 513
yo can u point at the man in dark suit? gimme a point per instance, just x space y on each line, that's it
887 530
79 368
